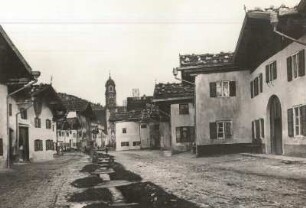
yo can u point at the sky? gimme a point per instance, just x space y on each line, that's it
80 42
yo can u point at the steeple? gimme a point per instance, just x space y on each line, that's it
110 93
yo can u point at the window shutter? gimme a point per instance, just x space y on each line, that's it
257 127
289 68
303 120
260 83
252 94
290 123
262 127
302 63
267 73
178 134
228 131
253 132
274 70
256 86
213 89
213 130
232 88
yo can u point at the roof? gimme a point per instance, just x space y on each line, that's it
126 116
138 103
172 91
207 59
257 40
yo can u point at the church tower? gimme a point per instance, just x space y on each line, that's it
110 94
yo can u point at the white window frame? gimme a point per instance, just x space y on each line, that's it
271 74
295 65
297 120
223 128
222 84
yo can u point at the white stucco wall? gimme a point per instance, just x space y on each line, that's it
131 135
210 109
181 120
145 136
289 93
41 133
3 123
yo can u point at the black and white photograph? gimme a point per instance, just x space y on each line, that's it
153 104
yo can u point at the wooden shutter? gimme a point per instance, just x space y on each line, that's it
178 134
301 56
213 89
290 123
253 132
213 130
251 86
262 127
260 83
289 68
256 86
1 147
228 130
303 120
267 74
274 70
232 88
257 127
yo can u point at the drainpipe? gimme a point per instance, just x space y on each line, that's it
8 162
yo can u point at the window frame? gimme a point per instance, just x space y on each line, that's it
38 145
298 118
125 144
48 124
224 122
37 122
136 143
124 130
183 108
221 82
23 114
271 76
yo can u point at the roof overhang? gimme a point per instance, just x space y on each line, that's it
173 99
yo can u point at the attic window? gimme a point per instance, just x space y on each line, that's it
124 130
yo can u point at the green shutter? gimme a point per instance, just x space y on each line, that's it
303 120
301 56
289 68
213 130
290 123
213 89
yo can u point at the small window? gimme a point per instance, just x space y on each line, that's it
271 72
143 126
1 147
136 143
223 89
184 134
125 144
224 130
124 130
297 121
296 65
23 113
38 145
37 123
48 124
10 109
183 109
49 144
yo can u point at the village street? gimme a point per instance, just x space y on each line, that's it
220 181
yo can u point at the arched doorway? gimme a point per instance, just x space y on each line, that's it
275 115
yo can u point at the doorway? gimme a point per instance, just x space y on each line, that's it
24 143
275 114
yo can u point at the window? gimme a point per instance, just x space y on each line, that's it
125 144
37 123
223 89
23 113
220 130
1 147
49 144
38 145
143 126
136 143
10 109
184 134
183 109
258 129
67 133
271 72
257 86
110 88
297 121
124 130
296 65
48 124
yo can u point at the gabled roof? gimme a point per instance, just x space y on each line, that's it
172 92
257 41
12 63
